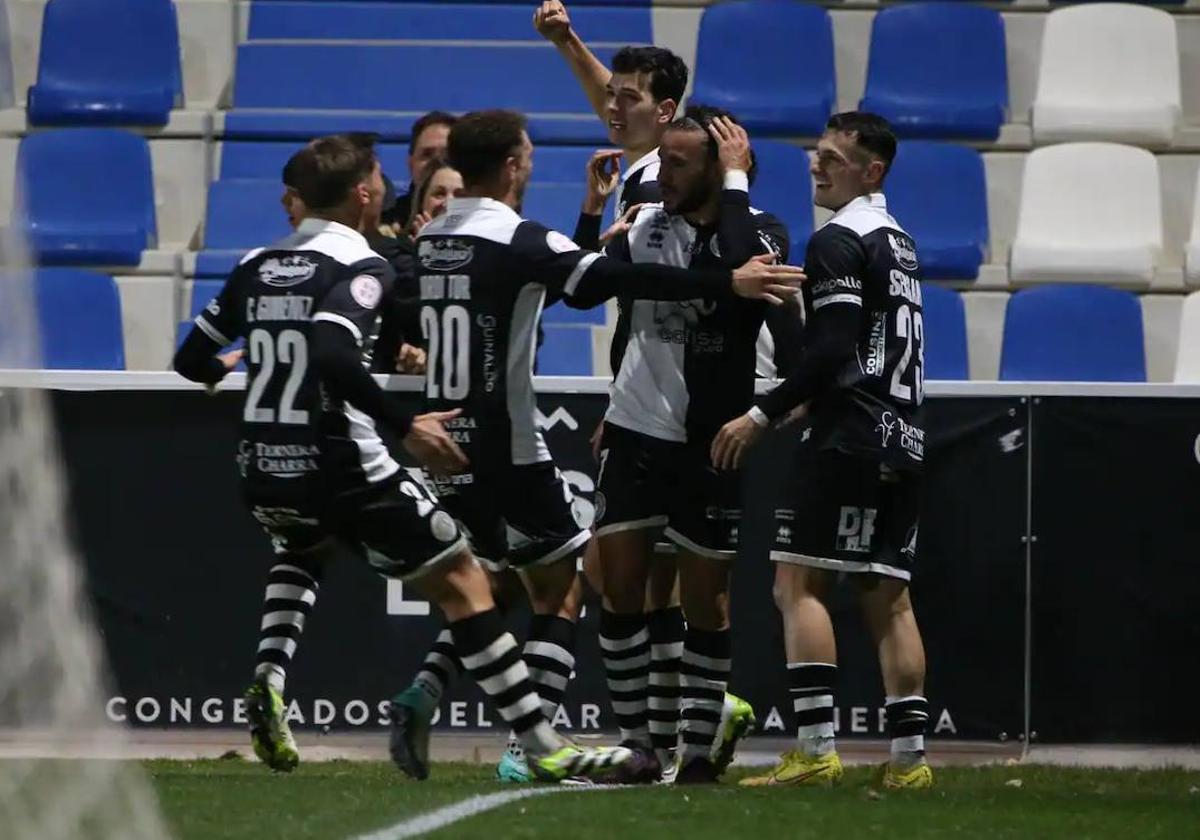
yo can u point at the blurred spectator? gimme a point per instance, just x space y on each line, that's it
441 183
429 136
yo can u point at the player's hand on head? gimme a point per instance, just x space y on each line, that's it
603 175
762 279
731 443
733 144
552 22
430 443
621 225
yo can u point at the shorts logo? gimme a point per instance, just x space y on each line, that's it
903 250
282 272
885 427
783 536
443 527
856 529
445 254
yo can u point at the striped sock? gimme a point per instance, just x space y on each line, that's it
907 721
291 593
550 656
491 656
439 669
625 646
812 700
703 678
666 648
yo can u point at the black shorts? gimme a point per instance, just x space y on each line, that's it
849 514
395 525
515 516
649 483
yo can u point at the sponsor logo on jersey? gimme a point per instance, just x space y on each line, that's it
1011 442
912 440
366 291
903 250
856 529
877 345
887 425
285 459
283 272
677 323
832 284
489 333
445 254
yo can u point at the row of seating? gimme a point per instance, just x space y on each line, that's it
1089 212
1062 333
937 69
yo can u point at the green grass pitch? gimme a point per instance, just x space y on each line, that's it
237 799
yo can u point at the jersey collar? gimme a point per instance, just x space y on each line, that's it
313 226
875 200
465 205
640 164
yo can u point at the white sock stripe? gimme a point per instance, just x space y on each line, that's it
444 662
292 618
505 680
550 680
502 645
635 684
551 651
661 680
662 704
891 701
290 592
706 662
803 704
673 650
529 703
618 645
687 681
632 664
792 665
283 643
816 730
663 727
699 727
296 570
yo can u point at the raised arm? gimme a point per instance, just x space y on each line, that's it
553 24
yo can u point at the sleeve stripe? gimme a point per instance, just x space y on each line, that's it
819 302
334 318
576 275
211 331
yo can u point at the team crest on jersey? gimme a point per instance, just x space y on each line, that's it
282 272
903 250
366 291
445 254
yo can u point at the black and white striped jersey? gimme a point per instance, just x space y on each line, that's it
292 427
685 368
485 274
864 342
639 184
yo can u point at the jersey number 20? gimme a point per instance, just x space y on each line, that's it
448 370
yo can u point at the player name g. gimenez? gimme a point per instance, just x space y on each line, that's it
288 308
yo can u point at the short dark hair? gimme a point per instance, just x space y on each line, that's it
697 117
366 139
432 118
328 168
871 132
481 141
668 74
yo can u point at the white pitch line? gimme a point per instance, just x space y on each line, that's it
450 814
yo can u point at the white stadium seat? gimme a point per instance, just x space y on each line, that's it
1193 243
1090 213
1109 71
1187 359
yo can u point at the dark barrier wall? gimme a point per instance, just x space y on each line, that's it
177 567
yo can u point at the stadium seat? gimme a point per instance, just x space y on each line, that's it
1187 358
554 205
560 313
784 188
88 195
938 193
437 22
1109 71
565 351
301 90
945 333
241 214
202 292
1073 334
563 164
768 61
1089 212
939 70
1193 244
110 63
79 318
257 160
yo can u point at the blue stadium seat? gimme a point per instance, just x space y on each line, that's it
784 187
110 63
945 333
554 205
563 164
250 159
202 292
241 215
79 318
768 61
939 70
88 195
938 193
1073 334
301 90
565 351
437 22
560 313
